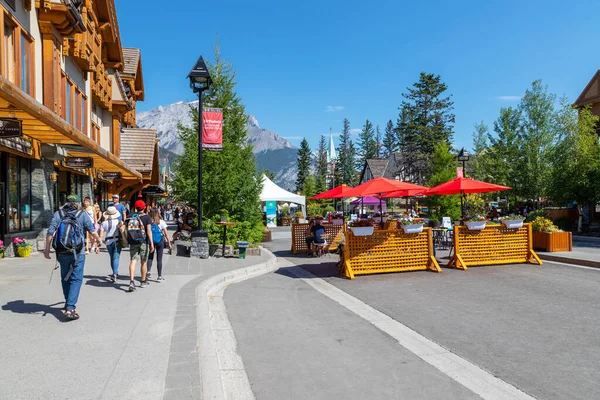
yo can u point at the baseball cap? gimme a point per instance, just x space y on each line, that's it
73 198
140 204
115 196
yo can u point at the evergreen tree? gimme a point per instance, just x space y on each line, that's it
425 120
443 169
479 162
235 164
269 174
537 136
389 140
367 146
344 167
505 152
304 153
379 142
321 165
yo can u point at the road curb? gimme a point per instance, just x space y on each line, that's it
569 260
222 371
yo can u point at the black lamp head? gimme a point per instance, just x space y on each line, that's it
199 76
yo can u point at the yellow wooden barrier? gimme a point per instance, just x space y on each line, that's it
494 245
299 236
389 251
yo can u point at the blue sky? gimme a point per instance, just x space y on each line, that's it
303 66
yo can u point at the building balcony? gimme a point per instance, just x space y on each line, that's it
102 87
65 15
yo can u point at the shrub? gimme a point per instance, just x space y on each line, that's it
542 224
534 214
566 224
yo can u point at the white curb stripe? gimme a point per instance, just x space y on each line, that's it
462 371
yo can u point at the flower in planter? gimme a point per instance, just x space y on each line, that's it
361 223
475 218
410 221
542 224
22 243
512 217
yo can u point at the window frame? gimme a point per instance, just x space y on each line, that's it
77 104
20 162
19 33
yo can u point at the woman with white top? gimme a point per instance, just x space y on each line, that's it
109 232
160 241
89 209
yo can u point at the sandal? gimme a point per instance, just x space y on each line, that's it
71 315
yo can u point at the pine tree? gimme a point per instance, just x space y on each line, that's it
344 168
425 120
505 153
235 164
304 153
321 165
367 146
379 143
479 162
443 169
389 140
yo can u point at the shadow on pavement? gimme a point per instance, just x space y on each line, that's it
20 307
104 281
324 270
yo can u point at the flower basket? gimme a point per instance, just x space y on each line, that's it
337 221
475 225
362 230
414 228
513 223
23 252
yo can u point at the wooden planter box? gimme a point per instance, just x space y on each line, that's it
267 237
555 241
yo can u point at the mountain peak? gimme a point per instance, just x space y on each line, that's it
252 121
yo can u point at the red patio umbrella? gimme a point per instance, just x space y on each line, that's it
404 193
380 186
338 192
462 186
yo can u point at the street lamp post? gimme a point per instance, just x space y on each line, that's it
200 81
463 156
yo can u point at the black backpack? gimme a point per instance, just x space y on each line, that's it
136 231
69 236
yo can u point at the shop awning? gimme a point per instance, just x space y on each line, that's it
42 124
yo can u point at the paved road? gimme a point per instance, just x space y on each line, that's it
534 327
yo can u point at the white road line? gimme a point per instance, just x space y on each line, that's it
572 265
462 371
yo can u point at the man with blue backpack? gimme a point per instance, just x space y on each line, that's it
139 237
66 234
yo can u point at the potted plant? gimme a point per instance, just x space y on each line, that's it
379 217
546 236
23 247
300 217
337 219
411 225
362 227
513 221
475 223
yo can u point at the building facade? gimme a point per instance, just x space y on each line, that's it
67 80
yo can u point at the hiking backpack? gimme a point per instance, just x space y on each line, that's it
136 231
157 235
69 236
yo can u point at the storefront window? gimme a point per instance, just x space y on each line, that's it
18 182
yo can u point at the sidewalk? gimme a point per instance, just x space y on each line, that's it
125 346
586 252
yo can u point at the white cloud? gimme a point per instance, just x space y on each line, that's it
334 108
509 98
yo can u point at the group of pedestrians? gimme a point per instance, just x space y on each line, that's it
77 229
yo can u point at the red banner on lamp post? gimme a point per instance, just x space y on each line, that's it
212 129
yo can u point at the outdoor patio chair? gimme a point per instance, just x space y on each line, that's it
323 248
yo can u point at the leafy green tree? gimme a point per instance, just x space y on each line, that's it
537 137
304 154
378 140
389 143
478 166
425 120
322 165
576 158
367 145
346 152
230 182
443 169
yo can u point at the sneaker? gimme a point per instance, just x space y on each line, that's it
131 287
148 275
71 315
113 278
144 284
160 279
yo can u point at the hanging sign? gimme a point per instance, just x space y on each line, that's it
79 162
459 172
111 176
271 209
212 129
11 127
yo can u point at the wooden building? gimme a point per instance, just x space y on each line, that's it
66 77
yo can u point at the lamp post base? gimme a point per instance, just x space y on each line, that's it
199 247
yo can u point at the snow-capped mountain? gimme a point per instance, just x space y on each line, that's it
272 151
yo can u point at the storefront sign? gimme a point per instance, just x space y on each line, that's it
212 129
271 209
111 176
79 162
11 127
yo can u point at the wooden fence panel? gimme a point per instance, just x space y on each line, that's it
388 251
494 245
299 235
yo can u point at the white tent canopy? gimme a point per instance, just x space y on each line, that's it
272 192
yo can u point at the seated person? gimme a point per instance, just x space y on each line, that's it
318 231
309 236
